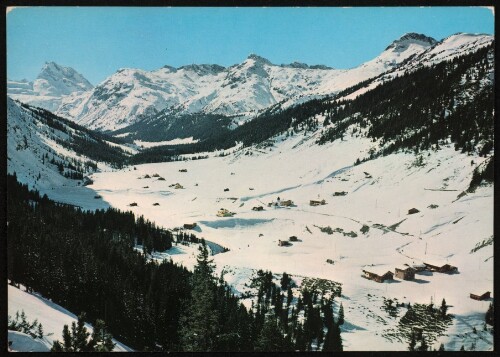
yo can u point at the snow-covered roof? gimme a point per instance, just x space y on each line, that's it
378 269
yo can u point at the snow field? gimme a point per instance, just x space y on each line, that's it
299 170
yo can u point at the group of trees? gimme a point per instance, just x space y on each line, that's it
77 339
86 262
283 326
20 323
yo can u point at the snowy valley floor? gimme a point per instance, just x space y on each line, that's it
379 194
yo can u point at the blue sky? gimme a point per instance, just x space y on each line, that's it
97 41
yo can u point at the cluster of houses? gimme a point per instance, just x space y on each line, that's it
281 203
405 272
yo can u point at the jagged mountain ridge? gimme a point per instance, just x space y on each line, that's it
132 95
52 84
242 89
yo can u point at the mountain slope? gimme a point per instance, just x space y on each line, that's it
52 316
46 151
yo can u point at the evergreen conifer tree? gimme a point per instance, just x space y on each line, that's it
341 315
199 324
489 317
444 308
413 342
101 340
271 338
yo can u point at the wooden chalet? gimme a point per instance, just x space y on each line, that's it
484 296
446 268
189 225
376 274
87 181
317 203
224 213
405 273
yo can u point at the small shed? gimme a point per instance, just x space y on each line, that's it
293 239
183 170
226 189
405 273
413 211
156 204
189 225
317 203
484 296
133 204
258 208
286 203
283 243
441 268
87 181
341 193
377 274
224 213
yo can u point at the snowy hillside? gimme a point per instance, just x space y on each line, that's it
45 152
51 85
377 195
52 317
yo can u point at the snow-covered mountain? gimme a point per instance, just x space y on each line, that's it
52 84
242 89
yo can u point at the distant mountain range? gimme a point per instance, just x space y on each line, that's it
131 95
